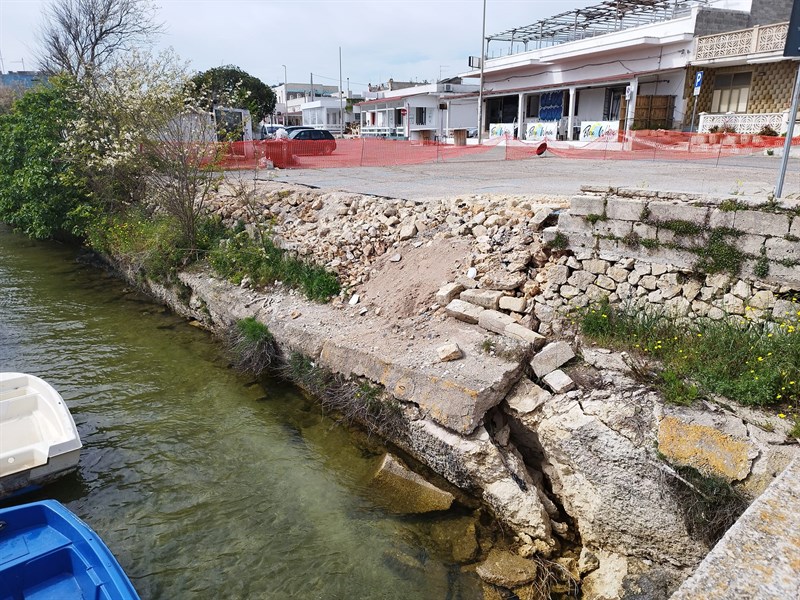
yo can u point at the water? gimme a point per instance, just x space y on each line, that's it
202 482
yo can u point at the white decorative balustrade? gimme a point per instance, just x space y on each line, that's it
759 39
746 123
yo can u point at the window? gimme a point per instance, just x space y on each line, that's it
731 92
421 115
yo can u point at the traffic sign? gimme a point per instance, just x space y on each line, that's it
698 82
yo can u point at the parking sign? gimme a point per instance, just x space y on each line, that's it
698 82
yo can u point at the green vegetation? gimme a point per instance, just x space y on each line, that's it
751 363
719 255
560 242
252 345
240 256
680 227
594 218
230 85
710 504
42 193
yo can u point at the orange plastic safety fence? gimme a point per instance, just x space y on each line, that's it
379 152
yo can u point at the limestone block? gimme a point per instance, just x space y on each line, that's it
605 282
649 282
741 289
408 231
669 211
655 297
557 274
795 228
581 279
522 333
448 292
449 352
761 223
595 266
595 294
527 397
507 569
677 306
645 231
568 291
587 205
512 303
721 218
551 357
559 382
407 492
613 228
785 310
569 223
539 218
780 249
732 305
718 281
493 320
618 274
765 299
784 276
713 443
500 279
464 311
634 278
625 210
750 244
485 298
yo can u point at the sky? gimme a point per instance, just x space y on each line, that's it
408 40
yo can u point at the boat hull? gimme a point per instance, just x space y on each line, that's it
48 552
39 441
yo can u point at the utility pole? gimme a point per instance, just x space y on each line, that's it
480 86
341 99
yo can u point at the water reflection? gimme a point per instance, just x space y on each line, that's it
204 485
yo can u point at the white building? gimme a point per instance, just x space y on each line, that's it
424 112
617 65
290 97
330 114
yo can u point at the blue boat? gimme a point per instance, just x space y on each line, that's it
47 553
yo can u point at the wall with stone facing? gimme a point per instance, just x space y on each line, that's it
766 12
660 248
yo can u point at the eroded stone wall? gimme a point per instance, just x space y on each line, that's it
693 256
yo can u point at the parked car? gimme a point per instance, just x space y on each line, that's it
309 142
292 128
268 131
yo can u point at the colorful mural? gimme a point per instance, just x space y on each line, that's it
594 130
541 131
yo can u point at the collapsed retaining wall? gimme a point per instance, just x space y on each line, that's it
694 256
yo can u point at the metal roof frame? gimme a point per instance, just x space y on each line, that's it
598 19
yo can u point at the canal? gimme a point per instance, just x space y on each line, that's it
203 482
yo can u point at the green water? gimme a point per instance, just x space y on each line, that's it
204 483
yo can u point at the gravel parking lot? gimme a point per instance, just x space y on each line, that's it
752 176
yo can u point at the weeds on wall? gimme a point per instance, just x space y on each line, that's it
354 401
753 363
251 345
710 505
240 255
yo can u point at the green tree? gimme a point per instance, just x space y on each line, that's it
230 82
41 192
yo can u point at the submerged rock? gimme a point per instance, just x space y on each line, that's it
507 569
406 492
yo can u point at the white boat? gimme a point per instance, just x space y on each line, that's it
38 438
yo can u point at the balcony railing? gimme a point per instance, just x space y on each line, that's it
744 123
759 39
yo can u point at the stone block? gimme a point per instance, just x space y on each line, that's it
749 244
581 279
587 205
595 266
781 249
761 223
522 333
795 228
714 444
613 228
408 231
448 292
551 357
464 311
407 492
721 218
500 279
605 282
557 274
764 299
559 382
485 298
784 276
494 320
539 217
449 352
568 224
527 397
507 569
618 274
625 209
645 231
670 211
512 303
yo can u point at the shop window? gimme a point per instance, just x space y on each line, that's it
532 108
731 92
421 115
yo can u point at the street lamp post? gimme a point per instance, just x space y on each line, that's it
480 86
285 93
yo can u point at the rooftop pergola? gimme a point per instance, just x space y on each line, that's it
599 19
